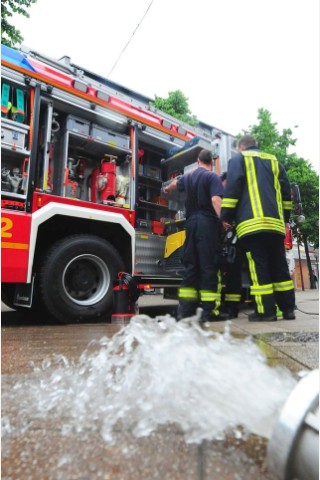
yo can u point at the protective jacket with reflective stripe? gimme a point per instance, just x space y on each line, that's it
257 195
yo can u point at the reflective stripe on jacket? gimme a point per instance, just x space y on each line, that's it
258 193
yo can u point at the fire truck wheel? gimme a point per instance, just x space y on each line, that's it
76 278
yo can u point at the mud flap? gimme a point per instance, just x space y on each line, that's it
24 294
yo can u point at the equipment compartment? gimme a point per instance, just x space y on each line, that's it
113 139
78 125
13 134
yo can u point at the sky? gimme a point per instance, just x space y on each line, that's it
228 57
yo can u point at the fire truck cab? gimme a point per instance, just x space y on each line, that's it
83 163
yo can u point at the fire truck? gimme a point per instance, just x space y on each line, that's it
84 161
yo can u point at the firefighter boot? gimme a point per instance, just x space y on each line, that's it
289 315
256 317
232 311
186 309
210 316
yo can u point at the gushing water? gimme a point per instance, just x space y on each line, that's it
158 372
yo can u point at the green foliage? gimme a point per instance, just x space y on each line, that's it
10 36
177 106
299 170
269 139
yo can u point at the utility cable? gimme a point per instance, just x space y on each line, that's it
308 313
128 42
296 308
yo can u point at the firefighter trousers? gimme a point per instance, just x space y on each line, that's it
271 283
232 275
201 259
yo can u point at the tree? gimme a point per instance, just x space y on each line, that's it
177 106
269 139
299 170
10 36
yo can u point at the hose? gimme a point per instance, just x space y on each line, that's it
293 450
131 283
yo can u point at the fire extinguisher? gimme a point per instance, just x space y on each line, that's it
104 180
125 296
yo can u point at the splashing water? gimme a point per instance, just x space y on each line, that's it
158 372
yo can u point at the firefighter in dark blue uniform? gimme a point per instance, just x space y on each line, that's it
202 248
258 198
232 261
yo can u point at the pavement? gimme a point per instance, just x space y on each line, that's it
291 343
39 451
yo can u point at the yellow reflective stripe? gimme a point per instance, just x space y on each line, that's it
277 186
255 153
229 202
188 293
262 289
287 205
232 297
254 279
251 229
253 189
283 286
209 296
219 289
256 224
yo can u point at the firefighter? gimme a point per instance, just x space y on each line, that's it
258 198
202 248
231 268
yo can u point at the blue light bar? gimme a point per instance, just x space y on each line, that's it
14 56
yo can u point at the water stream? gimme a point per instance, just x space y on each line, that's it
156 372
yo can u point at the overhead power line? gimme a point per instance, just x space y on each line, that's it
128 42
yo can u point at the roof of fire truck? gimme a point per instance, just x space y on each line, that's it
63 74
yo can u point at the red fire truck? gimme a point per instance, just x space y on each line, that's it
83 163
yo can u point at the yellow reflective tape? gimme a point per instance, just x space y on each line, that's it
253 189
219 289
265 223
287 204
256 153
262 223
259 228
229 202
283 286
254 279
232 297
188 293
277 186
209 296
261 290
187 289
15 246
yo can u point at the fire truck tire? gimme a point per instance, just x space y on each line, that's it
76 278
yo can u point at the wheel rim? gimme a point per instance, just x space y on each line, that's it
86 280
